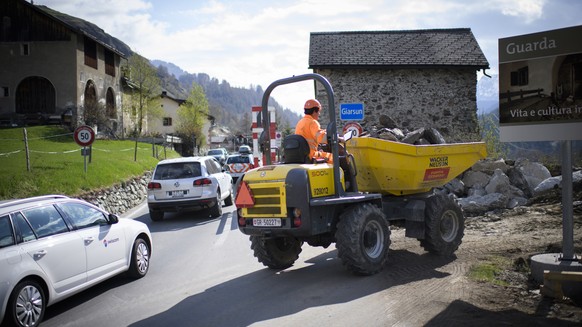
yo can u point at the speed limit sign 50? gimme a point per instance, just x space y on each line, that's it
84 135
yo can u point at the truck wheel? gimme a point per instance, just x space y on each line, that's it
276 253
363 239
444 225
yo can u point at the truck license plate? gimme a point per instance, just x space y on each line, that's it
267 222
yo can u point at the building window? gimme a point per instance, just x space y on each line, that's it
25 49
5 91
109 63
520 77
167 121
90 53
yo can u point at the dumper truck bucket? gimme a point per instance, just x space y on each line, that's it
395 168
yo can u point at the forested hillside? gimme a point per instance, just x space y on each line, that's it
229 105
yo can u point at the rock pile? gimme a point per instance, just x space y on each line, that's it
387 130
505 184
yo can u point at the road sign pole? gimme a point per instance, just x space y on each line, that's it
567 203
84 136
85 158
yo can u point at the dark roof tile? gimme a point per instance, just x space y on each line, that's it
434 47
88 29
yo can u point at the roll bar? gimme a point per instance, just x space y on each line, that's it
331 128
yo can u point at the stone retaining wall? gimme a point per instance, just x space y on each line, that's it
120 197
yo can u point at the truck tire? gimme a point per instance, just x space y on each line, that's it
444 225
276 253
363 239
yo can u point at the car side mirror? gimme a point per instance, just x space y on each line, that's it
112 219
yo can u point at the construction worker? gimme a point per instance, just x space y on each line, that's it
310 129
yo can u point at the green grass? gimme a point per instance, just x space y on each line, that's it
489 270
57 166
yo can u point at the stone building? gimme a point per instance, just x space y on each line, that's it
420 78
56 65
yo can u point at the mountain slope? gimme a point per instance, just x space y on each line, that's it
231 106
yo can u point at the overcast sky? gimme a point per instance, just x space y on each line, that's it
256 42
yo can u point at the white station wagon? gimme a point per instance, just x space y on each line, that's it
53 246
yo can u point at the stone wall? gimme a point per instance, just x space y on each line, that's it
444 99
120 197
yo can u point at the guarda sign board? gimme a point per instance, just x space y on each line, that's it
540 86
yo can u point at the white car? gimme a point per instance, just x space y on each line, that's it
52 247
188 183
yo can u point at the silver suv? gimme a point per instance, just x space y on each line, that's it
220 154
53 246
188 183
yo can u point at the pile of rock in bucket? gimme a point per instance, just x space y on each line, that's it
387 130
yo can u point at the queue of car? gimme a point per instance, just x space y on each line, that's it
54 246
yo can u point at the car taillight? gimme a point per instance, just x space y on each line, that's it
154 185
202 182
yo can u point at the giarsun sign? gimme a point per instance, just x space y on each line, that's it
540 86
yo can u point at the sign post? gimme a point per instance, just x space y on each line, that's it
84 136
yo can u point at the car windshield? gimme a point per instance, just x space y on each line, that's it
215 152
178 170
238 159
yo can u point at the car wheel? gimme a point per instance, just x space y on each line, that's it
156 215
140 259
228 200
27 304
216 210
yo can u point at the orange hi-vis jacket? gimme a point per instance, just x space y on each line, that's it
310 129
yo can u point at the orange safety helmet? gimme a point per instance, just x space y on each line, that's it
311 104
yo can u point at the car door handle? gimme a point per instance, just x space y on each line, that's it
39 254
89 240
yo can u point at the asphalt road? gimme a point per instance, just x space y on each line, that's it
203 273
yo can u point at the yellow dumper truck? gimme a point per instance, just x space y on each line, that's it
284 205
